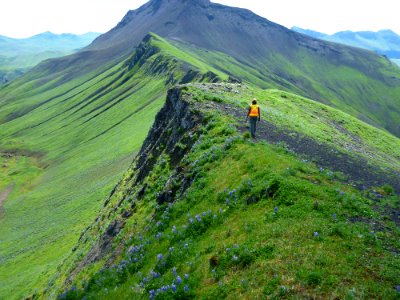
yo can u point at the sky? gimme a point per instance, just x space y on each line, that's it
25 18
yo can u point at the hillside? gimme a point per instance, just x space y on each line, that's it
65 147
354 80
19 55
204 212
384 42
71 127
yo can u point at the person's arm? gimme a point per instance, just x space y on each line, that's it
259 114
248 113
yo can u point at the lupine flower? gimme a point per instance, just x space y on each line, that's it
186 276
178 280
186 246
174 229
227 201
235 258
236 246
227 249
221 211
249 182
334 216
173 287
316 234
165 288
159 257
174 270
275 209
171 249
191 220
186 288
198 218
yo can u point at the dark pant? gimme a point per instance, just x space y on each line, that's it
253 126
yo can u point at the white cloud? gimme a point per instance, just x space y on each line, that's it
23 18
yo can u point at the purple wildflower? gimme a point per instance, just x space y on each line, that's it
159 257
186 288
173 287
178 280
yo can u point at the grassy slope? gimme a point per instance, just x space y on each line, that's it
256 222
80 166
87 136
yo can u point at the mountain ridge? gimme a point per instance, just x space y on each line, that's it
182 127
88 115
284 59
385 42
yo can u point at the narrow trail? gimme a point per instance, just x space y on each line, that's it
360 173
3 197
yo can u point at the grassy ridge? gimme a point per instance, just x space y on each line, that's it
87 131
257 221
360 92
74 131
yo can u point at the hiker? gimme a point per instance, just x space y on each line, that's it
255 115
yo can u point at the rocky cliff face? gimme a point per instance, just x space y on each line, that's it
173 134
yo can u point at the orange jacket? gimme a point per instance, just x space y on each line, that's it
254 110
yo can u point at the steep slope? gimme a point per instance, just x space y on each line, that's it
19 55
205 213
69 145
354 80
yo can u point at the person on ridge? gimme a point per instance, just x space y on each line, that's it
255 115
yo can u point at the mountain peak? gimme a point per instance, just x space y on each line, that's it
156 4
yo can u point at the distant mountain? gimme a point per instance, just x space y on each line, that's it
19 55
385 42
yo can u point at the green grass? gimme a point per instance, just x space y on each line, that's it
40 227
86 131
273 226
